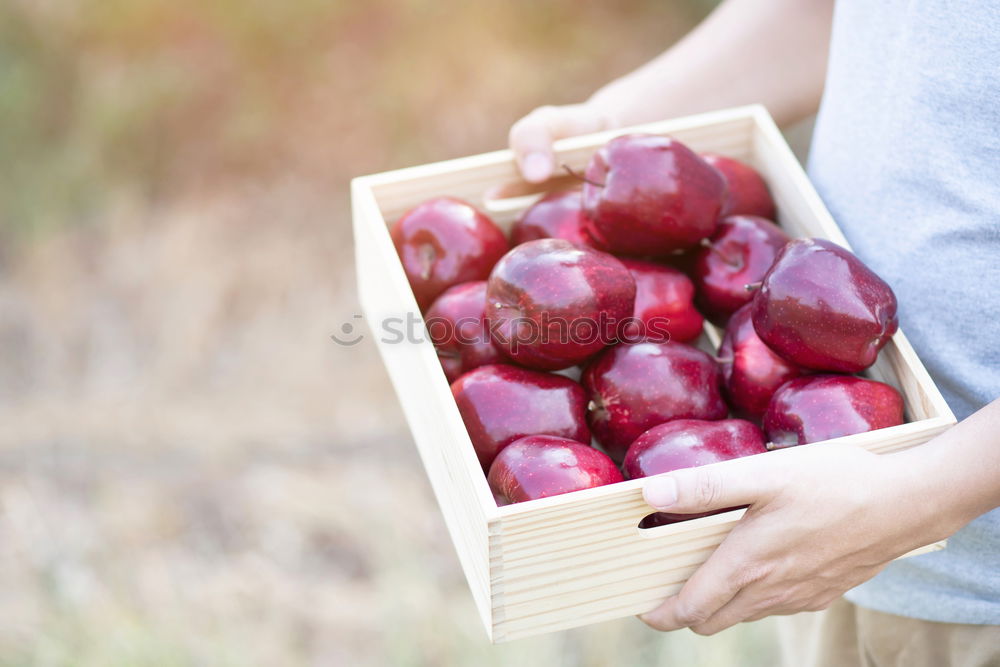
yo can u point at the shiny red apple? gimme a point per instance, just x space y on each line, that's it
635 387
751 371
747 193
551 304
648 195
664 302
740 252
557 215
500 403
539 466
444 242
820 307
820 407
456 324
687 443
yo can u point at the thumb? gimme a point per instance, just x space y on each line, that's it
713 487
531 137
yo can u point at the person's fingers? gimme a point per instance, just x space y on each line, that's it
717 486
710 588
743 607
531 140
531 137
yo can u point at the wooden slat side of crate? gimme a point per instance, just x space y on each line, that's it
445 449
561 558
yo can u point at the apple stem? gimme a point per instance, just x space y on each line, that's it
580 177
723 360
752 287
771 446
596 408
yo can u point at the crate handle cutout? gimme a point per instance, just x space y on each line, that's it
656 531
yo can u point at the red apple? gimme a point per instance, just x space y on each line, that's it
751 371
500 403
820 407
664 302
820 307
551 304
443 242
747 191
635 387
456 324
557 215
740 252
688 443
649 195
539 466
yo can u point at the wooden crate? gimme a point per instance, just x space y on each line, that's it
578 558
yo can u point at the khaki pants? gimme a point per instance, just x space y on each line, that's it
847 636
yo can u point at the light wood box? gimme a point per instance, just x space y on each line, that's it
578 558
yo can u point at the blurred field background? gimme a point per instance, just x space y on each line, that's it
191 472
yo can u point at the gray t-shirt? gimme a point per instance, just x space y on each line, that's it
906 154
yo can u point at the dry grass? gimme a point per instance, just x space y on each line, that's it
191 473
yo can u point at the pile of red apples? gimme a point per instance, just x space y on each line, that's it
570 343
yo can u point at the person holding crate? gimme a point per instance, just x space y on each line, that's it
906 155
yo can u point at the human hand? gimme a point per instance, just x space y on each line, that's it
821 521
531 137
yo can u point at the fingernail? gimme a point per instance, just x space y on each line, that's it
660 492
536 167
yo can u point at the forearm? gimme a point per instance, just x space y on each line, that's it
768 51
957 474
